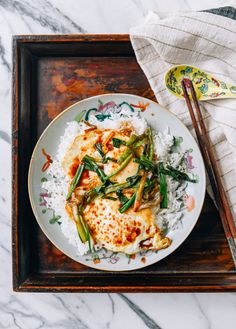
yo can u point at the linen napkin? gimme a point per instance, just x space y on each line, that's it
207 41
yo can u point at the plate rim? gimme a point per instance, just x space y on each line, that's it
30 192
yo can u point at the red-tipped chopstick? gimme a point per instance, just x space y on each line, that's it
211 167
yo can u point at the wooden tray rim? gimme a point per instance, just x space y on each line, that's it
227 280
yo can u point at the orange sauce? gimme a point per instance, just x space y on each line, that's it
84 175
110 147
74 167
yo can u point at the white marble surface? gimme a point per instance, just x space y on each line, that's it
69 311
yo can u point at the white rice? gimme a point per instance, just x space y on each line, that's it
116 118
57 183
162 144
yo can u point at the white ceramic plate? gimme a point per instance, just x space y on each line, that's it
159 118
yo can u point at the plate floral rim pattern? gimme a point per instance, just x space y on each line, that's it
106 260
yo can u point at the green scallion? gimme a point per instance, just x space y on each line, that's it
122 198
79 224
109 197
163 186
75 180
151 144
117 142
128 204
98 147
123 165
146 163
178 175
90 164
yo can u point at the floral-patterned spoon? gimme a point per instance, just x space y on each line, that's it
206 86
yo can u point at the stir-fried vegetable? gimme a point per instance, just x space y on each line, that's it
109 197
146 163
123 165
124 156
133 143
88 234
79 224
98 147
90 164
134 139
128 204
153 203
105 159
115 187
139 192
151 188
145 149
151 144
75 180
163 186
109 158
148 186
93 193
117 142
104 189
130 183
132 180
130 150
177 175
123 199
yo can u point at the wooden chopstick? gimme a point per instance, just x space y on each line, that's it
214 164
212 168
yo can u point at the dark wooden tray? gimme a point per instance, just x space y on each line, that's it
49 74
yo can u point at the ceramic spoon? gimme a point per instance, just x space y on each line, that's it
205 85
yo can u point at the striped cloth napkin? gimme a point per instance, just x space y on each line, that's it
207 41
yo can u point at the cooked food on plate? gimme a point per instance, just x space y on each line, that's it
117 184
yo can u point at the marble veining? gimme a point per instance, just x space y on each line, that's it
88 311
